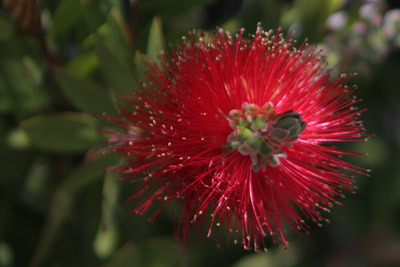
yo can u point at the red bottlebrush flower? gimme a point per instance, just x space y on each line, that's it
239 131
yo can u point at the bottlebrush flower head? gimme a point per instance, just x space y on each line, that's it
239 131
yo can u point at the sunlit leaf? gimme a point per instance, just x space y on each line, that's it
18 139
83 64
6 255
255 260
106 241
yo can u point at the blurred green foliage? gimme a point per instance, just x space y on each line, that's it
59 206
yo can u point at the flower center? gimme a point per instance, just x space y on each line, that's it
261 133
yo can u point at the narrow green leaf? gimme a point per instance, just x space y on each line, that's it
106 242
58 212
156 41
116 72
140 66
63 198
89 172
66 15
83 93
110 199
115 33
62 132
119 37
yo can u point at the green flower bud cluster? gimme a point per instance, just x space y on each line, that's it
261 133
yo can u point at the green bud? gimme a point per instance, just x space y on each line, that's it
264 163
243 123
261 136
287 123
258 123
274 161
279 133
255 143
244 133
255 167
244 149
264 148
252 108
235 144
267 108
234 114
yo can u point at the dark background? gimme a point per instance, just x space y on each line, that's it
62 62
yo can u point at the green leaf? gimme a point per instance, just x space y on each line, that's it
62 132
256 260
7 257
168 253
155 42
106 242
115 33
155 252
14 165
33 70
110 199
140 68
84 94
66 15
6 28
59 211
83 64
106 239
6 99
172 8
114 69
127 255
118 36
89 172
19 88
61 205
